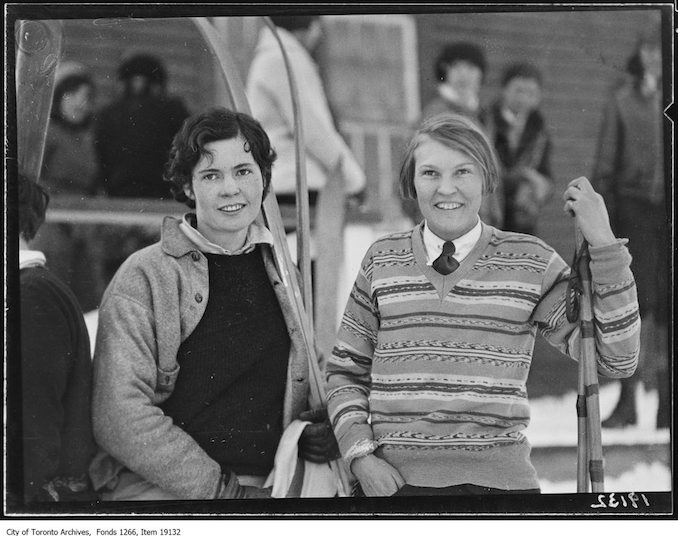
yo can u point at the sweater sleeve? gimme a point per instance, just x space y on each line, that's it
128 424
615 310
349 369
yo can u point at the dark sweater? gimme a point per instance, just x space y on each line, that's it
230 389
56 384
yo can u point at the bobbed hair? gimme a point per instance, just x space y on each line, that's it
461 51
214 124
33 201
457 132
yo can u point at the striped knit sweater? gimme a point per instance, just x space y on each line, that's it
432 370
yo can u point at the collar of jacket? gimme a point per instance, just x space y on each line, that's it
174 242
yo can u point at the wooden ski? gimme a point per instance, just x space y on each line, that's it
38 52
273 220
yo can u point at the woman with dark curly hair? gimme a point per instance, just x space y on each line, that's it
198 364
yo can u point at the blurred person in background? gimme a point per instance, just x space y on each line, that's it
58 443
134 132
199 363
133 136
70 168
518 130
460 71
427 381
328 157
70 163
630 174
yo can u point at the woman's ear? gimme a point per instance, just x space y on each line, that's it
188 190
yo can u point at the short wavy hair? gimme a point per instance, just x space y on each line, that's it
461 51
33 202
457 132
212 125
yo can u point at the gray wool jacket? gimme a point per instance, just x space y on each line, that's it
153 303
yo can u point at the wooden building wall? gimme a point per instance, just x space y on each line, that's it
101 45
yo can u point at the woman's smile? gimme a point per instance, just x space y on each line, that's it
448 205
236 207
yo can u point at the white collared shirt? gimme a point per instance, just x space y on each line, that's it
256 234
28 258
463 245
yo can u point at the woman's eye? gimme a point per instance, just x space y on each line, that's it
210 176
464 171
243 172
428 173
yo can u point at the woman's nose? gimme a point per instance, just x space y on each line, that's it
447 185
229 186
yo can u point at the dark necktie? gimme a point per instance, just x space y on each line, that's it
446 263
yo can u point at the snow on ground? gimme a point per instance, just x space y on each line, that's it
654 476
554 420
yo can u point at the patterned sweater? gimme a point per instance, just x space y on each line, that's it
432 369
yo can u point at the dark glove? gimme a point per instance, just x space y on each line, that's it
317 442
230 488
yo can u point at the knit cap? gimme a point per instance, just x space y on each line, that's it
68 69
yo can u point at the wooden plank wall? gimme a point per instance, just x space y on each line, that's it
582 55
101 44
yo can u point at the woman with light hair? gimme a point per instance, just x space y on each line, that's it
427 381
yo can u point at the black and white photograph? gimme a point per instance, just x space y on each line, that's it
334 262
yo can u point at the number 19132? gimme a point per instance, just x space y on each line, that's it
625 500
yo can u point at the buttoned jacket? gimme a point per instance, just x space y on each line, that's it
151 306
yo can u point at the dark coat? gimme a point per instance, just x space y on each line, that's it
58 443
133 137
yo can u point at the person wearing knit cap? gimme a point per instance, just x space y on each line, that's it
134 132
70 165
630 172
70 168
133 136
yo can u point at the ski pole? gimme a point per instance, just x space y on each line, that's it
589 442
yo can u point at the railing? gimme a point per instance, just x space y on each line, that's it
372 144
134 211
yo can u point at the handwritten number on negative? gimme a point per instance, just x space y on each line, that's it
612 501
